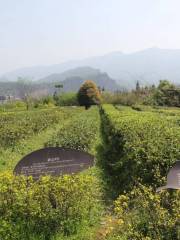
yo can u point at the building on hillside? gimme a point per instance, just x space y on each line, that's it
5 99
2 99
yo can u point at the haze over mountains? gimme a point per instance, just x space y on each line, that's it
73 78
147 66
71 81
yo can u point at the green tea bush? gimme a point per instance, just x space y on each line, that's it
80 132
122 98
17 126
13 106
138 146
144 214
67 99
46 207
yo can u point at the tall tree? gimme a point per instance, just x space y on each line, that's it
137 86
167 94
88 94
25 90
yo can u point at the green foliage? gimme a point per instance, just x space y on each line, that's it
17 126
122 98
167 94
144 214
47 100
138 88
54 207
67 99
138 146
13 106
88 94
43 102
80 132
59 86
165 84
43 208
84 233
11 154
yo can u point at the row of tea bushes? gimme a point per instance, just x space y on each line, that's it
168 111
80 133
21 125
171 114
144 214
41 209
138 146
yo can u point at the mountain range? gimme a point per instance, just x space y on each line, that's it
71 81
147 66
73 78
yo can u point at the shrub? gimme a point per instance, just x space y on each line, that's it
43 208
17 126
67 99
13 106
122 98
47 100
144 214
138 146
80 132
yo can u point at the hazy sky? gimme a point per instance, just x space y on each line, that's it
40 32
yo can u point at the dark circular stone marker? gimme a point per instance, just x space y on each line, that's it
54 161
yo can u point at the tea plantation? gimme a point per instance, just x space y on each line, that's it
134 149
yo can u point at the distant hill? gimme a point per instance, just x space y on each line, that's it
147 66
83 72
71 81
8 88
